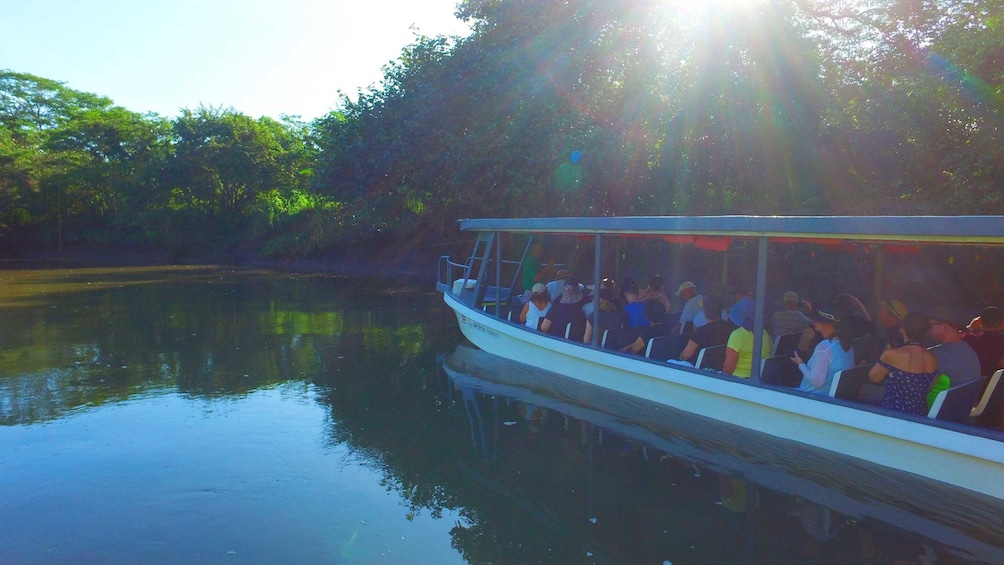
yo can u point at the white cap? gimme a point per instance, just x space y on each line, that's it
684 286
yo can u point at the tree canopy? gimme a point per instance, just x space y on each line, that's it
550 107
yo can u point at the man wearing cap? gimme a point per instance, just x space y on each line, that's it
890 318
693 303
790 320
956 358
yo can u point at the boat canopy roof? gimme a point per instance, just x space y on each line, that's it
906 229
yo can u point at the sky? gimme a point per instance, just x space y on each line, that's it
261 57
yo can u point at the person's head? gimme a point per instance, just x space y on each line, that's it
539 293
607 289
943 325
630 288
562 275
915 326
790 300
687 290
713 305
826 321
655 284
571 293
892 313
655 311
991 318
742 313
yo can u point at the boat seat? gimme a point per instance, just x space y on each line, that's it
987 392
712 357
666 347
779 370
954 404
786 344
575 331
864 349
847 382
616 338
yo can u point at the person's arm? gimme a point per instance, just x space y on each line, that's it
545 325
522 315
878 373
731 358
689 351
587 337
815 370
635 346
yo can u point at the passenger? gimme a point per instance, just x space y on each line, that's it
907 371
956 359
537 307
533 272
611 316
890 318
988 342
556 287
634 307
739 350
656 291
834 353
655 313
693 304
716 332
566 311
791 319
855 318
701 318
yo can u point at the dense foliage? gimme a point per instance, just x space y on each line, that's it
550 107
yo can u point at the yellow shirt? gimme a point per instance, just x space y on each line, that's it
741 341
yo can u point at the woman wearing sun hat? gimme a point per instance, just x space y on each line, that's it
834 353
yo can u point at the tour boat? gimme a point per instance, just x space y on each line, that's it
479 290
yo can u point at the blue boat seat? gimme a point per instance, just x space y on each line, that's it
954 404
712 357
780 371
575 331
786 344
981 405
616 338
846 383
666 347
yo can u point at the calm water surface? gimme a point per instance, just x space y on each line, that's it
205 415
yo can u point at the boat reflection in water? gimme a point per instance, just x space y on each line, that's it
638 481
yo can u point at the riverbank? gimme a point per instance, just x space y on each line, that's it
417 268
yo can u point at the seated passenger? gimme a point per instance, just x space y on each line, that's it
856 320
557 285
988 342
791 319
634 307
656 291
611 316
834 353
537 307
692 305
566 311
739 349
715 332
655 313
907 371
890 318
956 359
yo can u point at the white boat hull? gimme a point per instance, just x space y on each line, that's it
942 454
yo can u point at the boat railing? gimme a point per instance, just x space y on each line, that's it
452 275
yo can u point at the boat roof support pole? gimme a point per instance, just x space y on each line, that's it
760 301
498 275
877 284
596 291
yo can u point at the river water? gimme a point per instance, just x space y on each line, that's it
211 415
